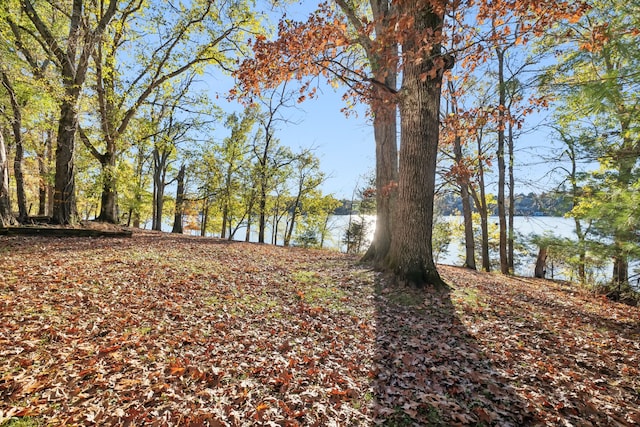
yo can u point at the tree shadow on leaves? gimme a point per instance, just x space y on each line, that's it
430 371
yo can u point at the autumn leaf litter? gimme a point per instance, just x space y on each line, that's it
173 330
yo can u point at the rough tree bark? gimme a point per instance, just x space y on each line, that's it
411 254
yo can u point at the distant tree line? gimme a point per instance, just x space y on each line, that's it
531 204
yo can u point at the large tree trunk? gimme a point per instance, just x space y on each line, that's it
64 200
6 217
383 58
109 198
177 221
385 130
411 253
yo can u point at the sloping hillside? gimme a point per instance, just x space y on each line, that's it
172 330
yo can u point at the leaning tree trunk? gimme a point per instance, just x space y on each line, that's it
18 160
411 253
177 221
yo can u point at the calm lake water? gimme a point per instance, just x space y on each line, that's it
525 227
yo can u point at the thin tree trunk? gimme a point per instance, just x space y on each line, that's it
469 239
262 207
481 205
205 217
323 231
6 217
512 202
225 213
463 183
18 160
620 272
502 219
158 190
109 197
44 189
177 221
247 234
50 186
541 263
289 233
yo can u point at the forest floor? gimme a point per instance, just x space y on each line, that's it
165 330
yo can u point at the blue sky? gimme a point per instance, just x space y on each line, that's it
345 145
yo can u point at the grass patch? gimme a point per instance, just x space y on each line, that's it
319 291
22 422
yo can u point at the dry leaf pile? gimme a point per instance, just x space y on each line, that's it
173 330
